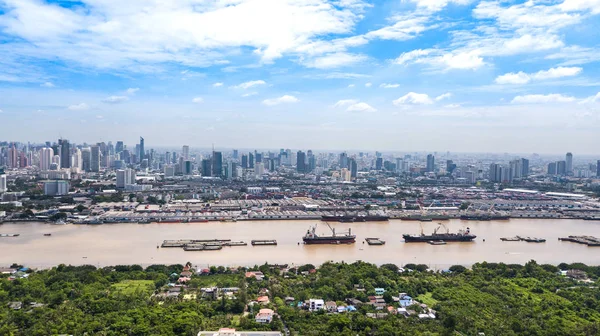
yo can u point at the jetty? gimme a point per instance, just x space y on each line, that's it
525 239
375 241
585 240
263 242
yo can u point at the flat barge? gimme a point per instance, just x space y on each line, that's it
263 242
202 247
5 235
585 240
375 241
355 218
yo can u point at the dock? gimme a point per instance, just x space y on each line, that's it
375 241
263 242
585 240
185 242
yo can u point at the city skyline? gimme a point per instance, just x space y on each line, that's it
413 75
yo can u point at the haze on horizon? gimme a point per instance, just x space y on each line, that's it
445 75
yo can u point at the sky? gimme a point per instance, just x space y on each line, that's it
443 75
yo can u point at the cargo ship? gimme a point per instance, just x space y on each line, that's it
461 236
355 218
311 237
484 217
424 218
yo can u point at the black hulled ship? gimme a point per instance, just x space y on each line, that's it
354 218
460 236
311 237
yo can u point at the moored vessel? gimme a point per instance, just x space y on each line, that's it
460 236
311 237
355 218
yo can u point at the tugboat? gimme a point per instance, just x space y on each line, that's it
461 236
311 237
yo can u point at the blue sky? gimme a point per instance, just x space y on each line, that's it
493 76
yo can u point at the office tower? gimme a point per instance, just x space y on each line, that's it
569 164
524 167
561 168
598 168
206 167
516 169
343 161
169 170
235 154
46 155
13 157
378 163
259 169
86 159
399 165
244 161
250 160
552 168
494 173
76 159
217 164
119 147
142 152
95 159
56 160
187 167
471 177
301 162
65 153
450 166
3 184
125 177
258 157
353 168
185 152
430 163
312 163
126 156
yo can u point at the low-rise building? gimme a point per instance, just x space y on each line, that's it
316 304
264 316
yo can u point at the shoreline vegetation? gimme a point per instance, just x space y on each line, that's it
359 299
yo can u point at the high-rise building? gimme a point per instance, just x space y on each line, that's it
244 161
516 169
235 154
76 159
217 164
3 184
86 159
95 159
345 175
258 156
450 166
185 152
46 155
250 160
561 168
312 163
524 167
13 157
569 164
65 153
56 188
343 161
353 168
301 162
551 168
125 177
379 163
259 169
430 163
119 147
206 167
187 167
142 152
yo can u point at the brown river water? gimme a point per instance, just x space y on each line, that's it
112 244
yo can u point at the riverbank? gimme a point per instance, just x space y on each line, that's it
112 244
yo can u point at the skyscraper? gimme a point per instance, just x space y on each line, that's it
430 163
525 167
561 168
301 162
185 152
46 155
235 154
65 153
343 162
86 159
250 160
119 147
379 163
569 164
206 167
552 168
95 159
217 164
3 185
244 161
142 153
353 168
598 168
76 159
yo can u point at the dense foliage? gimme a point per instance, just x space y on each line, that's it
496 299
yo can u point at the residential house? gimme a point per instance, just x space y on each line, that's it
186 274
405 300
4 270
15 305
263 300
289 299
316 304
264 316
257 275
331 306
379 291
354 302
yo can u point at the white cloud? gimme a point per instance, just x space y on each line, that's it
437 5
48 84
389 86
335 60
470 60
79 107
197 100
443 96
1 111
361 107
524 78
345 102
217 84
280 100
591 99
542 99
406 27
115 99
452 106
249 94
249 84
581 5
413 98
132 91
368 84
351 86
140 34
513 78
411 56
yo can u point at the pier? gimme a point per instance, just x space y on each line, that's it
263 242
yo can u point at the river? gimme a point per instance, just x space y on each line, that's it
112 244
